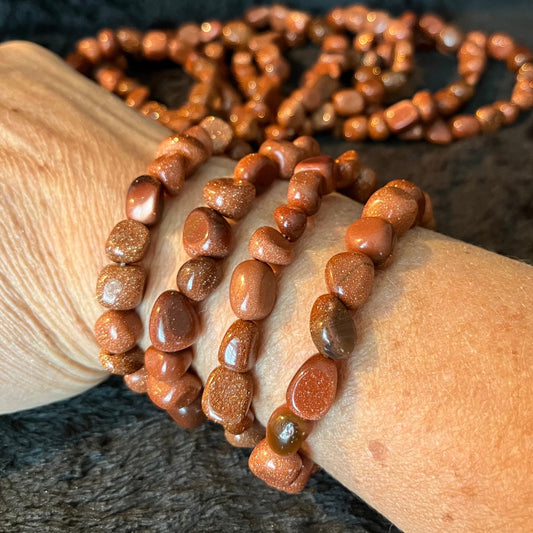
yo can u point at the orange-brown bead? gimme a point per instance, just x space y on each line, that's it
207 233
199 277
117 331
231 198
238 349
258 169
374 237
304 191
167 366
189 416
120 287
128 242
171 171
268 245
122 364
291 221
180 393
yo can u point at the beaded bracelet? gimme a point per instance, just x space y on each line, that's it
370 241
377 49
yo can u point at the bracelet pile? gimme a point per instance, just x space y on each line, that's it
236 103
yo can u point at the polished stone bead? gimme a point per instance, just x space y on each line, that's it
253 290
268 245
220 133
258 169
304 191
180 393
401 115
167 366
199 277
425 105
355 128
120 287
232 198
414 191
117 331
227 397
349 168
206 233
171 171
378 130
348 102
325 165
463 126
128 242
349 275
122 364
137 380
438 132
174 323
308 145
291 221
192 149
312 390
248 438
189 416
332 327
508 110
490 118
372 236
238 349
285 154
286 431
144 200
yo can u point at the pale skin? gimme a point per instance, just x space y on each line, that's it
432 423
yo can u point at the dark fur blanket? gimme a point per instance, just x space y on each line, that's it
109 460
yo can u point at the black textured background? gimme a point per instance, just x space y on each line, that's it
109 460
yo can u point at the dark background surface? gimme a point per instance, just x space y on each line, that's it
109 460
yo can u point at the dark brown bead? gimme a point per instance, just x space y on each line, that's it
378 130
129 40
174 323
332 327
291 113
286 431
206 232
120 287
312 390
117 331
508 110
349 275
464 126
144 200
374 237
137 380
78 62
257 169
231 198
238 349
490 119
253 290
170 170
348 102
518 57
325 165
304 191
128 242
291 221
285 154
268 245
189 416
167 366
349 168
180 393
199 277
227 397
123 363
363 187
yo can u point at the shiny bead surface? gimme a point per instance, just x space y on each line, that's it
508 110
144 200
199 277
253 290
349 168
231 198
205 232
401 115
348 102
174 323
167 366
291 221
490 119
304 191
312 390
180 393
463 126
425 105
155 45
332 327
137 381
325 165
395 206
220 133
128 242
378 130
117 331
268 245
170 170
438 132
286 431
238 349
374 237
122 364
500 46
363 187
285 154
192 149
248 438
355 128
120 287
189 416
227 397
349 275
258 169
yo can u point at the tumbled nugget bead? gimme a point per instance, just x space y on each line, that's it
122 364
438 132
192 149
227 397
332 328
238 349
312 390
286 431
348 168
463 126
401 115
425 105
355 128
155 45
231 198
304 191
144 200
117 331
167 366
349 275
120 287
490 119
189 416
285 154
220 133
136 381
206 232
522 95
199 277
325 165
170 170
291 221
378 130
128 242
415 191
395 206
372 236
275 470
179 393
258 169
308 145
348 102
268 245
500 46
248 438
253 290
508 110
200 134
174 323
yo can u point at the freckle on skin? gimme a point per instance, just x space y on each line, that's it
378 450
